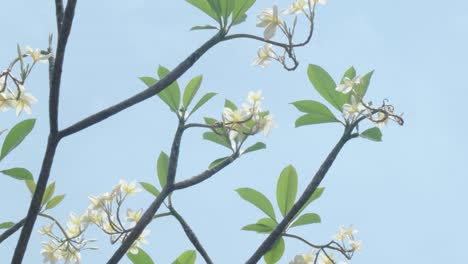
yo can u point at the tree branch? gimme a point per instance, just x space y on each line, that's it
12 230
319 175
191 235
59 14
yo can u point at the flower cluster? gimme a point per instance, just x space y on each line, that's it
357 108
246 121
270 20
345 244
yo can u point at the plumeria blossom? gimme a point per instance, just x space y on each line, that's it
264 56
133 217
23 101
348 84
140 240
128 188
5 101
297 7
308 258
346 233
355 245
269 20
36 55
50 253
350 111
254 97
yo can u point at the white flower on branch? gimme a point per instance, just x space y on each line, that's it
264 55
269 20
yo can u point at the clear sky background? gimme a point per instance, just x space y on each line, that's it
407 195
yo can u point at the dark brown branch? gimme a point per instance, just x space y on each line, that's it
151 91
12 230
59 14
53 139
319 175
191 235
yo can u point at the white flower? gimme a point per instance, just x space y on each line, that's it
346 232
36 55
70 254
356 245
264 55
128 188
269 20
6 101
322 2
46 229
382 120
24 101
233 138
266 123
254 97
324 259
234 116
133 216
140 240
348 84
352 110
308 258
296 7
50 252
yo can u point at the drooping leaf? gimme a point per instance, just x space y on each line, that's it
150 188
305 219
254 147
31 186
257 199
316 113
205 7
217 161
373 134
49 192
203 27
16 135
221 140
191 90
188 257
263 226
286 189
18 173
140 258
325 86
54 201
362 87
202 101
162 167
6 225
275 253
171 94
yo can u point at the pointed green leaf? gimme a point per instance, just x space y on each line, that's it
240 8
149 81
306 219
16 135
361 88
230 105
140 258
312 119
263 226
316 113
49 192
254 147
54 201
286 189
188 257
275 253
162 167
257 199
217 161
203 27
209 120
150 188
171 94
373 134
226 8
19 174
6 225
205 8
202 101
31 186
191 90
221 140
325 86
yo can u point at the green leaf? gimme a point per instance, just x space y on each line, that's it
230 105
226 8
205 7
257 199
203 27
325 86
49 192
286 189
254 147
188 257
171 94
306 219
140 258
361 88
19 174
6 225
162 168
150 188
275 253
16 135
209 120
373 134
202 101
217 161
54 201
263 226
149 81
240 8
316 113
31 186
221 140
317 193
191 90
350 74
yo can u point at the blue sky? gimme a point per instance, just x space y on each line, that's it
405 195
